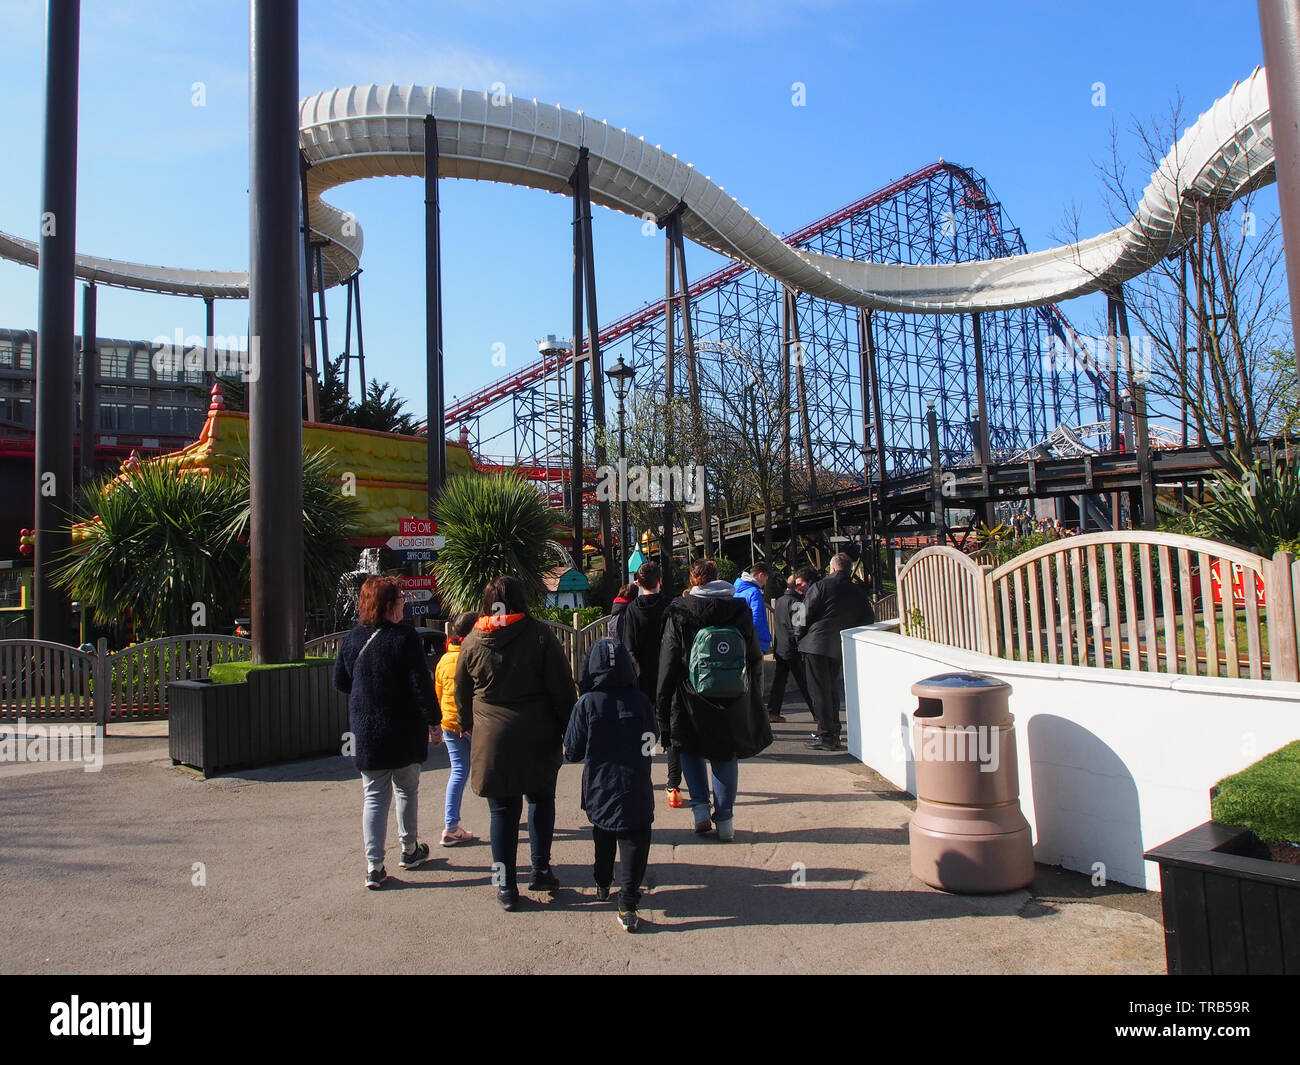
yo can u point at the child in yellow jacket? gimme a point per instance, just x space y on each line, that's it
444 687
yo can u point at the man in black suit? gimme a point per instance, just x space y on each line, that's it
832 604
784 649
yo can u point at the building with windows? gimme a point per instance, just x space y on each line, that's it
142 404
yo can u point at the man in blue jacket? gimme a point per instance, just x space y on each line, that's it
749 587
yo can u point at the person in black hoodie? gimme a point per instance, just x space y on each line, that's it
642 634
613 728
785 651
617 610
831 605
710 735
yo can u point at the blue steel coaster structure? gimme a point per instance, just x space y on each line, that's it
942 213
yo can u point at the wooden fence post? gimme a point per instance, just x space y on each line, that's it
1279 610
902 599
103 681
576 652
987 615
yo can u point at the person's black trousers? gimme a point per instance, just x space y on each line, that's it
674 768
634 853
823 673
787 667
505 835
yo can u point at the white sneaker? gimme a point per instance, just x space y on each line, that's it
727 830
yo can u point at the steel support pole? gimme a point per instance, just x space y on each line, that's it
209 342
870 554
89 382
1138 392
435 433
1279 29
597 365
361 337
936 478
275 394
1113 356
693 381
347 341
622 496
670 441
1202 329
787 489
322 316
307 335
805 426
981 406
1182 340
878 418
575 479
56 313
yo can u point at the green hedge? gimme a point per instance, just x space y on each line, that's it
564 614
1264 797
237 672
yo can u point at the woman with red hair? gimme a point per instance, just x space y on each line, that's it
392 715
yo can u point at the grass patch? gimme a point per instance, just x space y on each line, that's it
1264 797
237 672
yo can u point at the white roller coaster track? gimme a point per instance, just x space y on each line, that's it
371 131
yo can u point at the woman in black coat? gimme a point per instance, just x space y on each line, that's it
514 689
392 716
712 735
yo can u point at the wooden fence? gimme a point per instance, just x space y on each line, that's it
1148 601
941 597
46 680
54 681
577 639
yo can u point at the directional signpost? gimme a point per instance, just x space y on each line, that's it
417 540
419 596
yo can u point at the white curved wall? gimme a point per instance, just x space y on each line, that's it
1112 763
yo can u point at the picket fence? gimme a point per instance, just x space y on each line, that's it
51 681
1146 601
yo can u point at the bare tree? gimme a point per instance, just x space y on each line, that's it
1217 355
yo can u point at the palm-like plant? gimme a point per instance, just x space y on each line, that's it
1257 508
494 524
329 519
166 540
163 542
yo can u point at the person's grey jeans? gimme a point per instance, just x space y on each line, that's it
379 786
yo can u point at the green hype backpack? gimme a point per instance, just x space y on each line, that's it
717 664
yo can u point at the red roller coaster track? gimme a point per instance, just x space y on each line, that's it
476 402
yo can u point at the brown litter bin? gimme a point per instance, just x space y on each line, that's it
968 834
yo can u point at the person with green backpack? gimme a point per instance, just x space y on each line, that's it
709 702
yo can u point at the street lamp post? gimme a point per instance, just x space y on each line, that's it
621 376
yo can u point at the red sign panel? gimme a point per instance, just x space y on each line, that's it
418 582
1238 583
417 526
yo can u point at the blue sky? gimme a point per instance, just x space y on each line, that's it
1005 87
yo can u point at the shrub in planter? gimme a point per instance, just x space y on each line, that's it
1265 798
246 715
237 672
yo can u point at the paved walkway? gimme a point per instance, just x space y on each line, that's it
97 872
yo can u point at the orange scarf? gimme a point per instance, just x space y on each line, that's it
488 622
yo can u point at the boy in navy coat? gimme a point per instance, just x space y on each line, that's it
613 726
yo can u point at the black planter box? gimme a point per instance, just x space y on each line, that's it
278 715
1225 911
